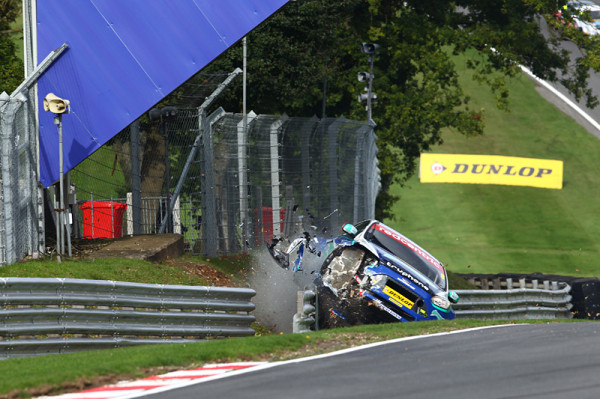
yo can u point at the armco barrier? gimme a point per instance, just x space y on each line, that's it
585 291
304 319
49 315
548 300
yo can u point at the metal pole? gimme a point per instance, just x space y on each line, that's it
242 153
136 178
7 182
307 130
167 177
67 216
370 87
201 110
209 210
275 182
60 215
332 155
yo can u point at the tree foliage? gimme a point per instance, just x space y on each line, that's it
311 48
304 61
11 66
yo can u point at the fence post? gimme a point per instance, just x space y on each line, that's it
307 130
332 146
260 231
275 182
177 216
372 174
209 208
289 212
129 216
359 211
242 142
208 185
8 174
135 218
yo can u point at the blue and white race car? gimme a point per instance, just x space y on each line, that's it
373 274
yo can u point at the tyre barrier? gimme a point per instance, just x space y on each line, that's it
586 298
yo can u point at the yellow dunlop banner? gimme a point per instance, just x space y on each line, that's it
491 169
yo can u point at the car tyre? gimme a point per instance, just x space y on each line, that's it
334 313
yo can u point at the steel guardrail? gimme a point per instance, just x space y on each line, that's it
551 302
52 315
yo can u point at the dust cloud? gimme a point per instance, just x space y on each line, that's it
277 288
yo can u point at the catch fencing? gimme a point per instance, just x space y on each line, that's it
20 199
51 316
227 191
227 182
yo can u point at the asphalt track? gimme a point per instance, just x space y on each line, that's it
565 101
558 360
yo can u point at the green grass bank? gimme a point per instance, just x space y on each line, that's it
492 228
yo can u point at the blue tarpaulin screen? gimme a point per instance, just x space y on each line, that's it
123 57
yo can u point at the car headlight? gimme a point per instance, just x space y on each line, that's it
378 281
440 301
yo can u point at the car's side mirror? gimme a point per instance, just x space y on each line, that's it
350 229
453 297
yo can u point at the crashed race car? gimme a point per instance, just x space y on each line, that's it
371 274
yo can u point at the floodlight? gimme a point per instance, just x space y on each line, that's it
369 48
364 76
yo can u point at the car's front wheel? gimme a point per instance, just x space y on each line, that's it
332 312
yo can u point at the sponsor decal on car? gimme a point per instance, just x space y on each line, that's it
381 306
398 298
407 275
414 247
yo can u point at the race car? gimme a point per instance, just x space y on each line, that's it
372 274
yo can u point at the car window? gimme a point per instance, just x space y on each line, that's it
359 229
377 235
362 225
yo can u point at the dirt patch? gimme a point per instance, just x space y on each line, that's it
151 247
204 271
143 247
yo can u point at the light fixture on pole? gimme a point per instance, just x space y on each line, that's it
371 49
59 106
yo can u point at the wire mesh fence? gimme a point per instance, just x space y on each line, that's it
19 212
239 190
225 181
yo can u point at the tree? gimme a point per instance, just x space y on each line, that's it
312 41
11 66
